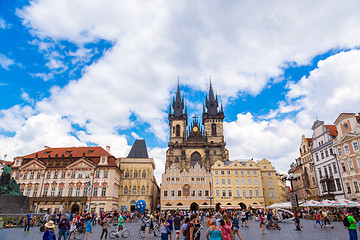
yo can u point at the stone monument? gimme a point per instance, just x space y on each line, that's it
11 200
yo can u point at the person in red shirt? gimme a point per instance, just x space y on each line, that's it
317 220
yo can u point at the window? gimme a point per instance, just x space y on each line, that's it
126 191
236 172
338 184
272 193
248 172
135 174
45 192
80 174
346 126
213 129
330 170
229 193
237 181
356 187
60 192
216 181
250 193
63 174
127 174
207 193
264 167
217 192
105 174
32 175
38 175
179 193
346 147
229 181
249 181
322 154
172 193
339 151
228 172
85 191
35 192
242 172
96 190
70 191
143 174
87 174
254 173
331 151
103 191
343 167
334 167
224 193
17 175
56 175
73 174
216 172
134 190
28 192
238 193
257 193
223 181
243 181
178 130
326 153
356 146
77 192
52 192
193 193
348 188
97 174
199 193
317 157
21 190
351 166
256 181
269 174
270 183
25 175
222 172
244 192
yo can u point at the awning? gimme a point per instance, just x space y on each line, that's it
257 206
280 205
230 207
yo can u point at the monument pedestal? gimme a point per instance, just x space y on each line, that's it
14 204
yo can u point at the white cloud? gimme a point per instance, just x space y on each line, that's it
3 24
135 135
5 62
159 158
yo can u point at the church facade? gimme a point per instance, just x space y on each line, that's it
193 146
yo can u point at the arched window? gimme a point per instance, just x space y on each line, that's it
134 190
176 160
125 190
178 130
144 174
143 190
195 158
127 174
135 174
213 129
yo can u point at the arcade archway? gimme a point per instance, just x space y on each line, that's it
194 206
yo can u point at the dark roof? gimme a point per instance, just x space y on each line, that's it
138 150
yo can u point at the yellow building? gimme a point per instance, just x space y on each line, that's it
282 187
137 181
269 182
236 184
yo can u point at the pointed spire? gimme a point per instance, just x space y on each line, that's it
185 109
211 102
178 103
169 110
221 109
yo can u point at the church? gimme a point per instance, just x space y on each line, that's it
193 148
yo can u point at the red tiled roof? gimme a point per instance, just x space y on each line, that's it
5 163
332 130
92 153
309 140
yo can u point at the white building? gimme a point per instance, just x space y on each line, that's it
325 163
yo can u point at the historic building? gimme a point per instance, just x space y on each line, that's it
269 182
283 191
296 168
69 179
346 146
198 144
237 184
137 180
308 175
325 163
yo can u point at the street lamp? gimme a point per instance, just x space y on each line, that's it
291 178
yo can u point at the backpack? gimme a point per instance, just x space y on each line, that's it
346 221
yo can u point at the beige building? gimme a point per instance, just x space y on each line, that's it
69 179
346 147
237 184
283 195
186 189
269 182
137 180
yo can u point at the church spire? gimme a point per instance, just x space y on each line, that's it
211 103
178 103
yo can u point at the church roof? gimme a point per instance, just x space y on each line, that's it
138 150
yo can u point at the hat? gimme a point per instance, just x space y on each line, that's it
50 224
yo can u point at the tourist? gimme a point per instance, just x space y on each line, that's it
262 222
27 222
225 230
73 225
177 225
49 232
147 222
10 224
243 217
352 227
164 229
326 219
105 223
213 232
235 226
317 220
183 227
64 226
120 223
88 230
189 232
209 221
170 221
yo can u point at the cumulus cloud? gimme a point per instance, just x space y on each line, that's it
159 158
5 62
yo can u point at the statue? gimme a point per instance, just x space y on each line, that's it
8 185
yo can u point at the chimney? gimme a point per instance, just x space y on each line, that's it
108 149
46 147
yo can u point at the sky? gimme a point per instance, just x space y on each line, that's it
103 72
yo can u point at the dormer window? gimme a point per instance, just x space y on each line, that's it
68 152
90 151
103 160
47 152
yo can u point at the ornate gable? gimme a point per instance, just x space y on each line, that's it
82 163
33 165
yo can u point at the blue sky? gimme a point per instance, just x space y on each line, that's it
104 73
